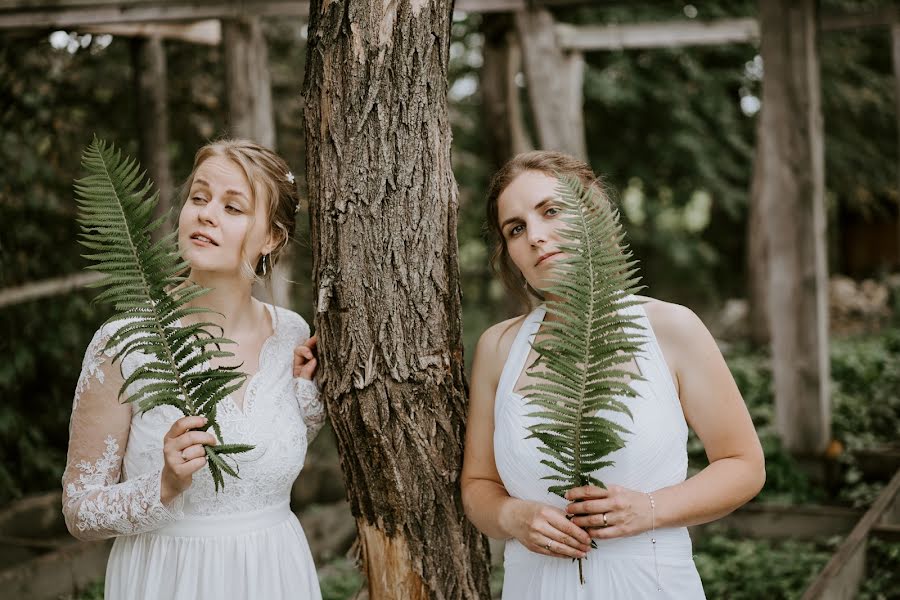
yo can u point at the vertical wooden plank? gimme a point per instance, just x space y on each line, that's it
757 245
247 81
895 56
793 202
149 63
555 81
250 115
505 129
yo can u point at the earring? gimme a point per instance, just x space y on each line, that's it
264 264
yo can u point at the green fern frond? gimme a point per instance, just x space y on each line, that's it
579 371
145 282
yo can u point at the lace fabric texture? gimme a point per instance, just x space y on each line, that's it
111 484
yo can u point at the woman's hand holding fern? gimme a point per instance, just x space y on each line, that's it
627 511
184 453
538 525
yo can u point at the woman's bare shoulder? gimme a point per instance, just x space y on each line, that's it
494 344
671 322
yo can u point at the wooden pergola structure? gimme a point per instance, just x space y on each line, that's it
786 228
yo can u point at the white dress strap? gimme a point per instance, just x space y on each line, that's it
652 362
518 352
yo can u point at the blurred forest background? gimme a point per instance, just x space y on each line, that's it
671 130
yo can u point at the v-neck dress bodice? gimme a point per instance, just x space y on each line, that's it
242 542
654 457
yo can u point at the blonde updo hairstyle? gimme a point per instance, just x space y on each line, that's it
272 188
549 163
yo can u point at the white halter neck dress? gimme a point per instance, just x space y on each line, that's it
654 457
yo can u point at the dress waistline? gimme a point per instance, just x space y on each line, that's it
228 524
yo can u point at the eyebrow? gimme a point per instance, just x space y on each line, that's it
204 183
537 206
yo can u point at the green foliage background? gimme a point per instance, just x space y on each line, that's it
665 128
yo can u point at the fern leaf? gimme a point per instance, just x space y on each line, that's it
144 282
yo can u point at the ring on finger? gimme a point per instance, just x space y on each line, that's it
605 522
547 546
185 458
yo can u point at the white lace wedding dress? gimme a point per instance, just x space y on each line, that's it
240 543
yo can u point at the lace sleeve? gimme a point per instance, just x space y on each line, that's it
311 405
96 504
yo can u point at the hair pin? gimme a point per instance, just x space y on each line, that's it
290 177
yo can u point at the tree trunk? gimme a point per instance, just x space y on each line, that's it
555 84
250 116
148 57
383 212
794 206
757 245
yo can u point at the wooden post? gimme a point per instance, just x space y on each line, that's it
793 204
895 56
757 244
555 81
250 115
149 62
383 216
506 132
247 81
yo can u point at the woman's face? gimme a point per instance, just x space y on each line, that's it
220 217
528 210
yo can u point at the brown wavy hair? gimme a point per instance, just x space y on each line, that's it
550 163
270 182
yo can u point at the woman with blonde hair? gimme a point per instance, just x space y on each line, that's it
141 478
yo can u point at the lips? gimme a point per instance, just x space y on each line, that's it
544 257
202 237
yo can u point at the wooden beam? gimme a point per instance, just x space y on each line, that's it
841 576
785 521
75 13
207 32
667 34
45 288
677 33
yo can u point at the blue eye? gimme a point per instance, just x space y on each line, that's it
552 211
516 230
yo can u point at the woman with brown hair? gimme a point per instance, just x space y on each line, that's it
639 520
141 478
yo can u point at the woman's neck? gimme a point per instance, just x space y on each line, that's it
230 297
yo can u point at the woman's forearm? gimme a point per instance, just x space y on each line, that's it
712 493
487 504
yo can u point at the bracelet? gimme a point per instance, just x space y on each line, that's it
653 537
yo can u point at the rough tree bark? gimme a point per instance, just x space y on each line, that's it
555 84
250 115
148 58
383 211
793 201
